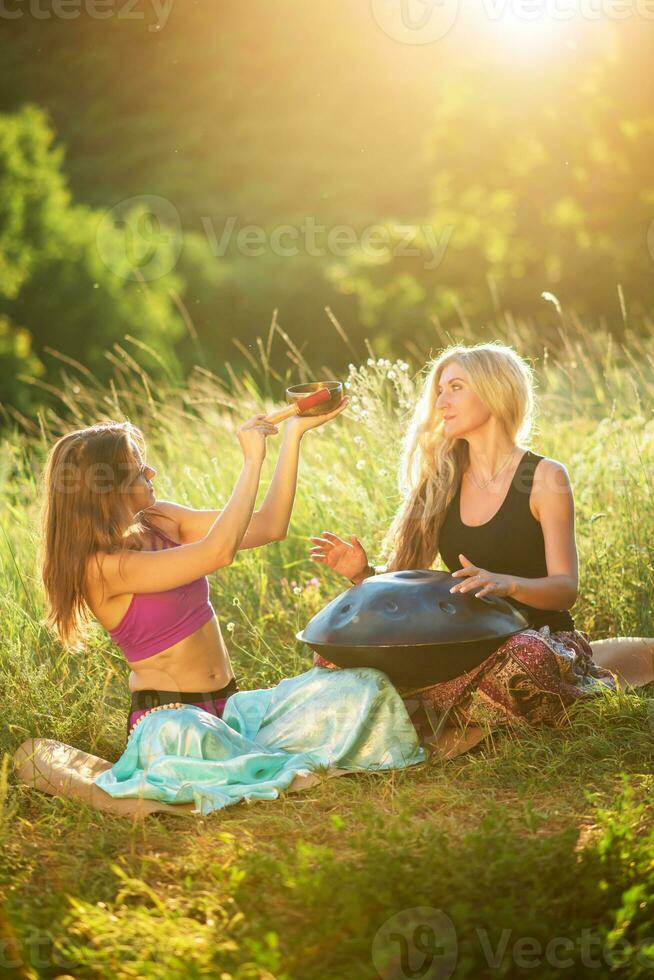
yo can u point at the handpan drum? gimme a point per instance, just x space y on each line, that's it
410 626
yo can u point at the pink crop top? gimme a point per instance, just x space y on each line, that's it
156 620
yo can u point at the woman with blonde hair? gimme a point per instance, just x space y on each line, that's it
501 517
110 550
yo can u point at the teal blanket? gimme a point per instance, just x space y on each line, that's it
350 719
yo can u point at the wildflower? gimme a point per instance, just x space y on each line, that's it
236 601
358 440
297 590
361 464
370 362
314 583
230 627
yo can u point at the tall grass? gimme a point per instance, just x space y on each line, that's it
540 836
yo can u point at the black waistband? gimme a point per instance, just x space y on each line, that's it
152 699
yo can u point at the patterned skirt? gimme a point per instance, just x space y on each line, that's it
532 678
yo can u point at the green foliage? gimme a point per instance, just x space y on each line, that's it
537 187
33 195
494 181
56 282
16 357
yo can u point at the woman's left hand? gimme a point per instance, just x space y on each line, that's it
300 424
475 577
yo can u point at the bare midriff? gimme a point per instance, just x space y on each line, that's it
199 662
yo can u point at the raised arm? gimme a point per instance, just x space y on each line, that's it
143 571
277 506
270 522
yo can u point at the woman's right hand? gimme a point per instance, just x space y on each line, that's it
252 437
345 558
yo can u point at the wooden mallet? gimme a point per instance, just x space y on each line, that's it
301 405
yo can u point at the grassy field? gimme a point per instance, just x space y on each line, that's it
529 856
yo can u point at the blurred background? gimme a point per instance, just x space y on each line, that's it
219 185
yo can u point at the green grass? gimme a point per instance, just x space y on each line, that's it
525 849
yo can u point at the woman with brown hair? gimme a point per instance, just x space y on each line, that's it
139 565
502 519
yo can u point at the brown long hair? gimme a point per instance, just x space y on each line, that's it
433 464
84 510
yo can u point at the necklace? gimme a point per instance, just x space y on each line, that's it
482 486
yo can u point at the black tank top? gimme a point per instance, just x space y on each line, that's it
511 542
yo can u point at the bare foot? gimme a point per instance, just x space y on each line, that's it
630 658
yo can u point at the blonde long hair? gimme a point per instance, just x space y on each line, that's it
84 510
432 464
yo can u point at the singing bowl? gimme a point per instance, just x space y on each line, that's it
295 392
411 627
